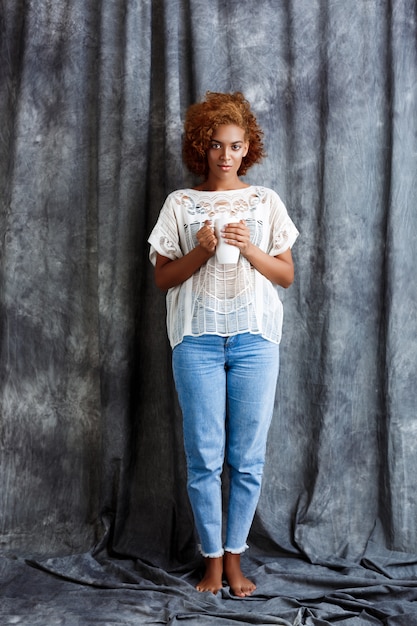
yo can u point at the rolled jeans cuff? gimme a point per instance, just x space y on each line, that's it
211 555
238 550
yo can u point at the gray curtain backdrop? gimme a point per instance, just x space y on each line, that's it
92 475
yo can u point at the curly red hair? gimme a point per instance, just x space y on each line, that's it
204 117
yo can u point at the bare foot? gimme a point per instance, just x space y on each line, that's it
239 584
212 580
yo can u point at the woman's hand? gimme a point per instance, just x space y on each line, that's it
206 238
237 234
169 273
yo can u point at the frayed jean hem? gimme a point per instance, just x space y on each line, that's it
220 553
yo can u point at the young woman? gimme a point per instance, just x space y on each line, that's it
224 322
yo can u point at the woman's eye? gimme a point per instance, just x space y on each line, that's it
215 146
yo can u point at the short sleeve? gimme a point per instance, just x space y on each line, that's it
164 238
283 230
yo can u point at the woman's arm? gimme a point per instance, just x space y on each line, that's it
170 273
278 269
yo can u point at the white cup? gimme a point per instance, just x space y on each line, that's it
225 252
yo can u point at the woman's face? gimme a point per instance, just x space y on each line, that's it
224 156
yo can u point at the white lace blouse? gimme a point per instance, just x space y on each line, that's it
223 299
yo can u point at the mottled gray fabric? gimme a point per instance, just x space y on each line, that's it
92 476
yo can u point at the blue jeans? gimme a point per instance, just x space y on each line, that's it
226 389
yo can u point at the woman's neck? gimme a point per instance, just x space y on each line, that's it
208 185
